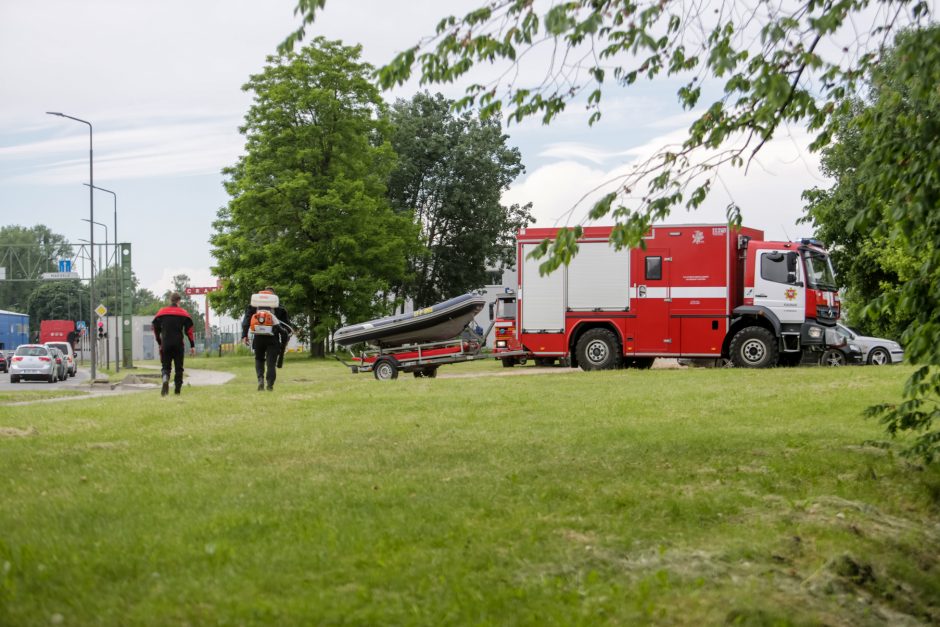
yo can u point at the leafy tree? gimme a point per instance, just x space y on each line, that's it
772 63
308 213
146 303
900 157
870 263
452 170
58 300
776 64
26 253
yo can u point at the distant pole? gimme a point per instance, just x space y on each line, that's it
91 216
107 323
117 266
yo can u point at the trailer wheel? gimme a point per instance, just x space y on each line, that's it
598 349
754 347
385 370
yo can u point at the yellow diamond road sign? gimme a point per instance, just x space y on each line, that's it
101 310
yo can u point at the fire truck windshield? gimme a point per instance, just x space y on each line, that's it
819 271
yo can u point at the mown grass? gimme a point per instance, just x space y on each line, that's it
670 497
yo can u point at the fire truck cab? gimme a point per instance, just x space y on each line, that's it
700 291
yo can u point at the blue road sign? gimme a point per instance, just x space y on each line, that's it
79 324
65 265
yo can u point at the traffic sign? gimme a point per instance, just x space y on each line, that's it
80 325
65 265
101 310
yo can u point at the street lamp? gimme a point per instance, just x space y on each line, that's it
107 345
117 258
91 216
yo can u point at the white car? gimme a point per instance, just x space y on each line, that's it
68 354
33 361
876 351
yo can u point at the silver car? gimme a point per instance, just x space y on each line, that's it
68 356
33 361
876 351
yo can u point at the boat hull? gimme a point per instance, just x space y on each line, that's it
443 321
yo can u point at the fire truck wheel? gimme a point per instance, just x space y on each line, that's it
598 349
754 347
509 362
385 370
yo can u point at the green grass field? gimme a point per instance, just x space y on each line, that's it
678 497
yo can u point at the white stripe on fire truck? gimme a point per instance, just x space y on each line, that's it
683 292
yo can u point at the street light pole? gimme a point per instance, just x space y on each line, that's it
117 259
107 328
91 216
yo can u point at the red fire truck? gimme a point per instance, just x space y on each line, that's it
699 291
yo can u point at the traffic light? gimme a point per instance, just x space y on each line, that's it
100 332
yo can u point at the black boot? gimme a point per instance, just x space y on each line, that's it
177 389
165 388
270 387
260 384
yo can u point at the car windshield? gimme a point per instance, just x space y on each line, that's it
847 332
32 351
819 271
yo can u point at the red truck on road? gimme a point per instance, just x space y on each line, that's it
698 290
57 331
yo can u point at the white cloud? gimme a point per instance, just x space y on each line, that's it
768 193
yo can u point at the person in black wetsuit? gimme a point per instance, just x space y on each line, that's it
269 349
169 326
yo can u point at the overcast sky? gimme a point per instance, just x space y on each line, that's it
161 83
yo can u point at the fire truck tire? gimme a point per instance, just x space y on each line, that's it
544 361
598 349
509 362
754 347
385 370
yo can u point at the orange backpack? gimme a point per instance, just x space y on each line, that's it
262 322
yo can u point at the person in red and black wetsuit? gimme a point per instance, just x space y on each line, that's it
169 326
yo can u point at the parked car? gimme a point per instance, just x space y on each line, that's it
846 355
876 351
62 368
69 355
33 361
4 366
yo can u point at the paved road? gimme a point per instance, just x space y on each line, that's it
71 383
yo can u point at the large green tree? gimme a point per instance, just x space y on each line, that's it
870 262
308 213
25 253
451 173
58 300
